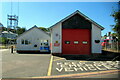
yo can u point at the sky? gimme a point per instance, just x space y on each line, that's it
46 14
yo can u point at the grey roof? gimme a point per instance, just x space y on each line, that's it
78 12
6 32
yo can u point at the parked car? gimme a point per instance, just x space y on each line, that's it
106 42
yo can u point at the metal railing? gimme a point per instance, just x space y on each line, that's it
113 46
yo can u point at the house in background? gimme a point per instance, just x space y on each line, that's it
76 35
8 35
33 40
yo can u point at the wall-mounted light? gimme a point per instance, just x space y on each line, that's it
97 41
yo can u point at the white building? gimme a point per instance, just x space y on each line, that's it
33 40
76 35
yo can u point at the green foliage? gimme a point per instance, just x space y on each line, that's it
3 40
114 34
116 27
116 15
6 41
44 29
20 30
4 28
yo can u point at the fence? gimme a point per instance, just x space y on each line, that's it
113 46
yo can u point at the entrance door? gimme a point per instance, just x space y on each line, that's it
76 41
44 47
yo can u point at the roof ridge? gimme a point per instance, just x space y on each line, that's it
80 13
31 29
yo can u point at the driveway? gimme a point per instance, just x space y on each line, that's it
24 65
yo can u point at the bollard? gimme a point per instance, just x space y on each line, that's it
11 49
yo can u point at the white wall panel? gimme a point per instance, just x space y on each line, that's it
96 35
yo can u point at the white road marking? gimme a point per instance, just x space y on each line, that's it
78 66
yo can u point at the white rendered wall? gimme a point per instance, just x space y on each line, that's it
96 35
35 36
56 30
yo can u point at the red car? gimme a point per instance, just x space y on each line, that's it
106 42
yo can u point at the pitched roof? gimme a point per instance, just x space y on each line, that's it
31 29
78 12
5 32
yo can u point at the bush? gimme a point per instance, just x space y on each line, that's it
3 40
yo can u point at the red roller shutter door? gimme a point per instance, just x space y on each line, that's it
76 41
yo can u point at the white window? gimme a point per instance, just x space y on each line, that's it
76 42
26 42
67 42
44 42
84 42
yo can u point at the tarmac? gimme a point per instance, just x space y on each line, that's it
35 66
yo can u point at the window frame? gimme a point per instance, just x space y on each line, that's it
66 42
25 42
76 41
22 42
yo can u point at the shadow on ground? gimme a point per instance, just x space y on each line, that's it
33 52
105 56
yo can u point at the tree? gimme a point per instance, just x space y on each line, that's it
116 27
3 40
44 29
20 30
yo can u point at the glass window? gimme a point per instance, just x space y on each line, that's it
45 40
84 42
46 44
76 42
26 42
29 42
67 42
22 41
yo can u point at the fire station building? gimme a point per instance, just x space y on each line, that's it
76 34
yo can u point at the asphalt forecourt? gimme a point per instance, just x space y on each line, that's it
49 66
16 65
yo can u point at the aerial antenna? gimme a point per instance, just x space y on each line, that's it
12 20
18 7
11 7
